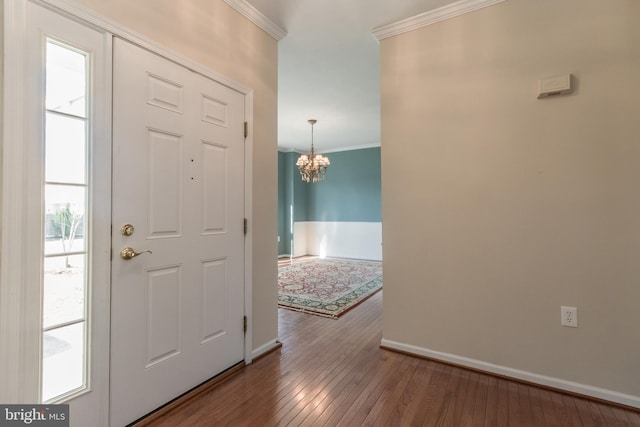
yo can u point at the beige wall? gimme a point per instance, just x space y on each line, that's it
1 110
213 34
499 208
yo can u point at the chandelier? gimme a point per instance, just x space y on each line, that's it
312 166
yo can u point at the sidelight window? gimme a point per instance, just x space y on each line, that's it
65 283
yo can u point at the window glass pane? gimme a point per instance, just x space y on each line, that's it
65 149
64 219
66 80
64 278
63 360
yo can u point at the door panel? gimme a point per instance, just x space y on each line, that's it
214 284
215 188
163 314
178 178
165 184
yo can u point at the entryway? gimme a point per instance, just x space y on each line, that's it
128 283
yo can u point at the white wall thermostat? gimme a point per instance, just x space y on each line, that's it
552 86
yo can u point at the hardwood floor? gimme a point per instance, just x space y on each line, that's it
333 373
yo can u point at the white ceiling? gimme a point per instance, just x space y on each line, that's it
328 68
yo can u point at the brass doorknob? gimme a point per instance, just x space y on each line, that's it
128 253
127 230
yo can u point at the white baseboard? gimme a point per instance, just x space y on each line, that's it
556 383
265 348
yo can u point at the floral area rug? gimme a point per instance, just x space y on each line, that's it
327 287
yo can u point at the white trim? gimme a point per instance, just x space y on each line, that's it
557 383
431 17
265 348
248 238
352 148
100 295
288 150
334 150
255 16
16 366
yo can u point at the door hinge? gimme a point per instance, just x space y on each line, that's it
246 226
245 324
246 129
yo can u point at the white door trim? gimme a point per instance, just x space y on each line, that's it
19 382
248 238
20 332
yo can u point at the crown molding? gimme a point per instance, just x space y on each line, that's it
334 150
351 148
255 16
427 18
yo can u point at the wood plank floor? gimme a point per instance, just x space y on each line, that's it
333 373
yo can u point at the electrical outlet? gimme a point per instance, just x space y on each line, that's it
569 316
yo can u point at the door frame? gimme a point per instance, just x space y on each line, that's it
19 328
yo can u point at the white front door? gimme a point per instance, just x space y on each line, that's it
178 179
